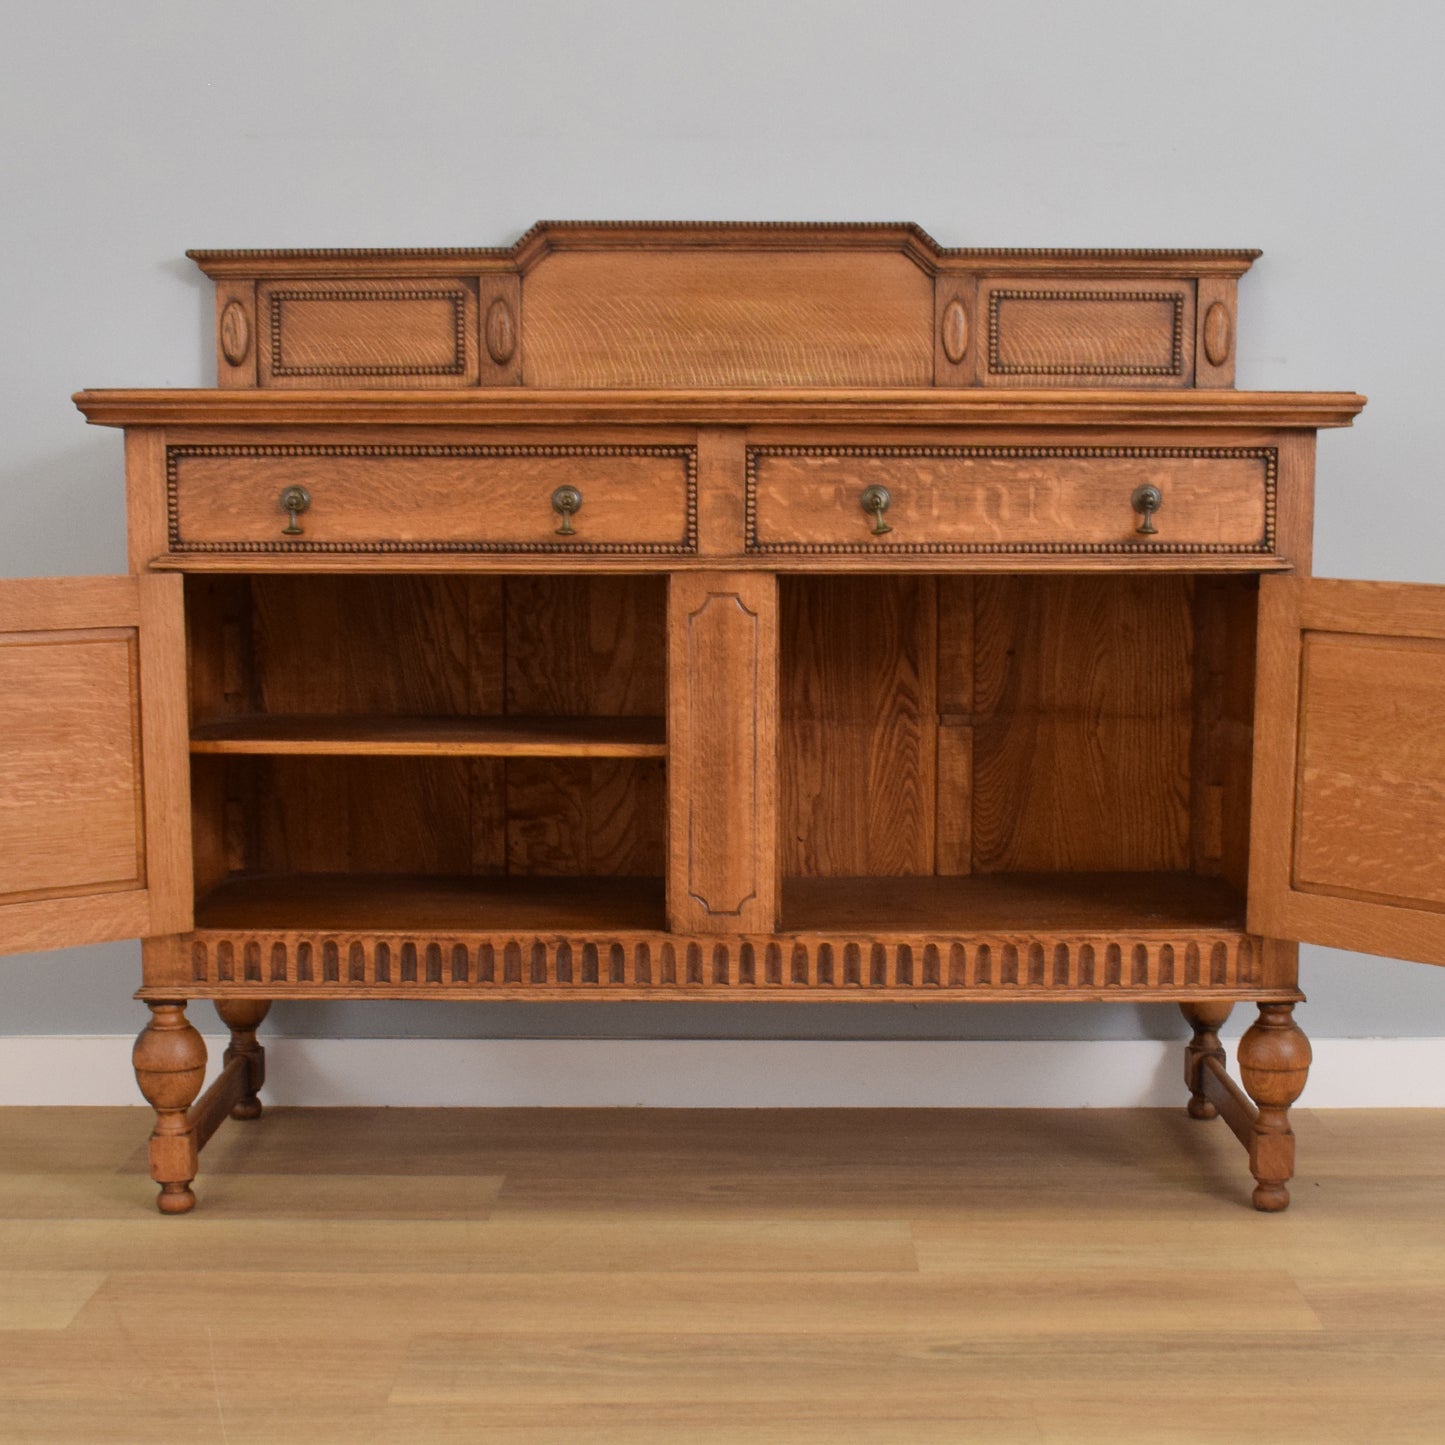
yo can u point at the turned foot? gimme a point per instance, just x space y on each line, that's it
1274 1062
243 1017
170 1066
1206 1019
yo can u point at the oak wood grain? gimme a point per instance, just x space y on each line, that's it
311 671
1372 789
1216 305
953 820
1062 497
431 900
727 318
236 332
1082 733
1085 332
358 496
1348 755
722 406
501 737
580 647
147 522
857 756
722 729
80 783
165 779
377 332
1225 624
1010 902
585 816
72 815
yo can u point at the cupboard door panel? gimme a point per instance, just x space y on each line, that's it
93 836
1348 846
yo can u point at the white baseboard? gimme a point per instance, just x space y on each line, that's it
724 1073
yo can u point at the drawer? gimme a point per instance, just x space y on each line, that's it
390 498
1010 499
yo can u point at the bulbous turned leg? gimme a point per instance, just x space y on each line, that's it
1206 1019
170 1066
243 1017
1274 1062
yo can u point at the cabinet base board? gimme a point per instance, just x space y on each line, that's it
1168 965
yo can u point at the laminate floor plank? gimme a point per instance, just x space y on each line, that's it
44 1299
1099 1301
329 1197
871 1374
91 1138
1316 1245
545 1245
634 1277
629 1425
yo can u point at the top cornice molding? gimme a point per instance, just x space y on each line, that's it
548 236
934 406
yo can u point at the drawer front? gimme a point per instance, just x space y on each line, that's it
1002 499
367 499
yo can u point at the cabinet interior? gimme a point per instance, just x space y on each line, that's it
956 754
996 752
375 750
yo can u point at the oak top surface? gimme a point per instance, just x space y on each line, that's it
1053 406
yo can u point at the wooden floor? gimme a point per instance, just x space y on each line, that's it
644 1278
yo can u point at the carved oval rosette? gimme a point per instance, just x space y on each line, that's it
953 331
235 332
1218 334
501 332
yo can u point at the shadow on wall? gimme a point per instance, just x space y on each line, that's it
812 1020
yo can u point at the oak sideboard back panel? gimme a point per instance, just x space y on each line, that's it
722 612
589 304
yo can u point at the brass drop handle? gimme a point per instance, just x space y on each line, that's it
1147 500
294 501
876 500
566 502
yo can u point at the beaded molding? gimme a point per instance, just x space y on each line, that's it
683 229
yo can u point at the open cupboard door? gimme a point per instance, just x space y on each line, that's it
1347 841
94 831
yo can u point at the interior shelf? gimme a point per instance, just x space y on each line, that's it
401 903
1024 904
1003 903
475 737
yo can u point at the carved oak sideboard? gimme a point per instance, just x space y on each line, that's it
722 612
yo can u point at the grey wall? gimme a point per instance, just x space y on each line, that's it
131 131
